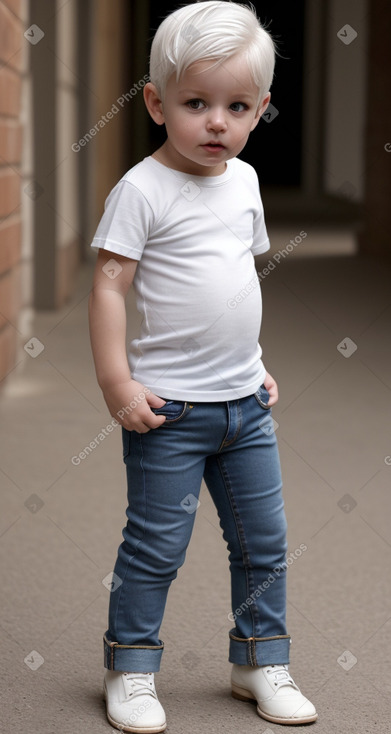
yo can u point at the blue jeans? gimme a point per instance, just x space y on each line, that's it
232 445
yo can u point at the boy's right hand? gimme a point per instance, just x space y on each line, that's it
130 404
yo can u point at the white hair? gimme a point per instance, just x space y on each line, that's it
215 30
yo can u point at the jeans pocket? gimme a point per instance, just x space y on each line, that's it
262 397
174 410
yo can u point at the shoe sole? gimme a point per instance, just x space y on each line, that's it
242 695
133 729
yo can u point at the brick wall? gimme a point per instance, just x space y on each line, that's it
11 41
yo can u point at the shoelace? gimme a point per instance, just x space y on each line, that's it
139 683
280 676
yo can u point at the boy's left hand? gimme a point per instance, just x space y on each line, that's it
271 387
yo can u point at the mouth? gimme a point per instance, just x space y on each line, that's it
213 146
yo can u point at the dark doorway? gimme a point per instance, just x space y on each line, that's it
274 148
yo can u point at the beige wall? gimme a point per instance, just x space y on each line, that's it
67 240
11 71
111 53
42 93
345 99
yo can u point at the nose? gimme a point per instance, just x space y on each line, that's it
216 119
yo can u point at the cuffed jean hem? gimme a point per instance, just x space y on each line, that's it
132 658
259 650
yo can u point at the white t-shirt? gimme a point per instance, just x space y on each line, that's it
196 283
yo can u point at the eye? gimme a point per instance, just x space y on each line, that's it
238 106
195 104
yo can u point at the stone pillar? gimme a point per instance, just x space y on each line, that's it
375 236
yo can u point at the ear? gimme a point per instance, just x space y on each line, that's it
153 103
261 109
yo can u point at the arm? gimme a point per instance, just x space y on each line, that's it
107 319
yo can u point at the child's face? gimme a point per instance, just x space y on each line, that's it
208 115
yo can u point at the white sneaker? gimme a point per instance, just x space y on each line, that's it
277 696
132 703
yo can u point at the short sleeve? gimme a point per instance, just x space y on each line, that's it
261 239
126 222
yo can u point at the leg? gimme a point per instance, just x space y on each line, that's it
161 473
244 480
165 468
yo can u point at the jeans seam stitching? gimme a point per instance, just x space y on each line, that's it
225 443
130 558
241 535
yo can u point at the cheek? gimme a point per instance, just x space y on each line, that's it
238 132
243 130
185 127
180 123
